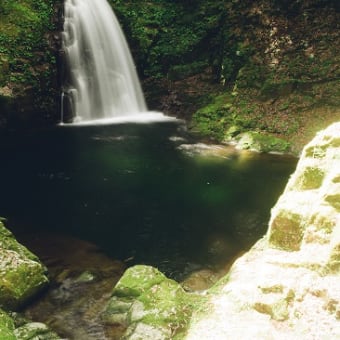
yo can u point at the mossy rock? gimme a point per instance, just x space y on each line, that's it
262 143
21 273
145 300
334 200
6 327
286 231
310 178
316 151
35 331
334 260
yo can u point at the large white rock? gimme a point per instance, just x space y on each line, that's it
288 285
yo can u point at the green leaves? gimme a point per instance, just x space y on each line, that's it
166 34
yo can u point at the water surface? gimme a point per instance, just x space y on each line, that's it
133 192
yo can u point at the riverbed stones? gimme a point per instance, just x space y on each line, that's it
21 273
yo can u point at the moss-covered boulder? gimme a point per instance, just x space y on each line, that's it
21 273
148 305
261 142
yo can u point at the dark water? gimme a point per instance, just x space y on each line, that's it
128 189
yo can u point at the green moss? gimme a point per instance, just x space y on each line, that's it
324 223
263 143
27 64
334 260
6 327
277 311
173 38
286 231
21 273
145 296
316 151
8 242
336 179
310 179
214 119
334 201
137 280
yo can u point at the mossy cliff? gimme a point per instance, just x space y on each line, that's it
286 82
239 66
28 70
229 67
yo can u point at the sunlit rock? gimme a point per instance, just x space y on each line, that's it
21 273
287 285
309 208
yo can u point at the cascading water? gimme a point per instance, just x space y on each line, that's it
102 82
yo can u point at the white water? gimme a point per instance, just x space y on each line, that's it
103 83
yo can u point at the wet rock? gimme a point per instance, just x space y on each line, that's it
21 273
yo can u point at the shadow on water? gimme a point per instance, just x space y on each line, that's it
131 191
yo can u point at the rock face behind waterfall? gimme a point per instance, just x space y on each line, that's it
287 285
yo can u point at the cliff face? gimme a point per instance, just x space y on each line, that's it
240 65
280 69
231 67
28 71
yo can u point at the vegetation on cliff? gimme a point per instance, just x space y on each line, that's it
227 66
266 66
27 62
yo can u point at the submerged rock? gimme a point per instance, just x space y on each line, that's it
21 273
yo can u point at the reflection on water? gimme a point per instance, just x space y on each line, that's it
134 192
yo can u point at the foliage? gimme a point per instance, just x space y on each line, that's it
166 34
27 64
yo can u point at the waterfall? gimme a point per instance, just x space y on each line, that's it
101 81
